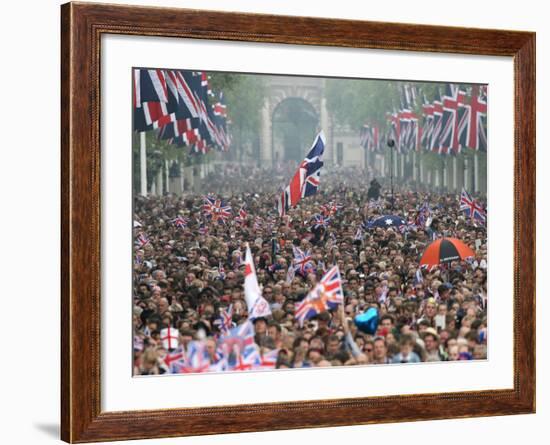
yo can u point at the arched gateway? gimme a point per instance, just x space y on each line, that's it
294 111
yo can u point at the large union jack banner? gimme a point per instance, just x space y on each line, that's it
306 179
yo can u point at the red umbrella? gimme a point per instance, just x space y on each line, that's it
445 250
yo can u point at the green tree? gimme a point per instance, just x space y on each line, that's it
244 96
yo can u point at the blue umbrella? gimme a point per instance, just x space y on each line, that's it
387 221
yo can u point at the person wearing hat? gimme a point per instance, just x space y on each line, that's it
431 345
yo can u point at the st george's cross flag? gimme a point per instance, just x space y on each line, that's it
306 179
257 305
169 338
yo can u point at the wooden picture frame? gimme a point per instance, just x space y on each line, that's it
82 26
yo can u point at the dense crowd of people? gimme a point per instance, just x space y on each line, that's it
188 275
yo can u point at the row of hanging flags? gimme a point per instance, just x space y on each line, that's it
453 121
182 107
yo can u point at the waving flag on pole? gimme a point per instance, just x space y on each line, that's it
302 263
257 305
242 215
320 221
216 209
327 294
423 214
225 321
306 179
330 209
180 222
141 240
471 208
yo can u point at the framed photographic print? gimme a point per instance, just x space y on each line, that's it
278 222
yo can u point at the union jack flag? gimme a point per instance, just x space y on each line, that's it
246 360
330 209
207 202
175 360
474 120
220 362
422 216
225 322
427 127
327 294
365 136
241 337
241 217
436 123
215 209
180 222
471 208
320 221
395 127
369 137
359 234
449 136
306 179
142 240
302 261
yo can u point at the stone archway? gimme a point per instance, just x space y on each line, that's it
310 91
294 124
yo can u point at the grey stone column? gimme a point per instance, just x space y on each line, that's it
266 136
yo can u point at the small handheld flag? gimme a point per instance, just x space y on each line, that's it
257 305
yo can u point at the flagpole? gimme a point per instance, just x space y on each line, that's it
454 174
143 163
465 173
167 175
273 245
476 172
391 144
414 165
